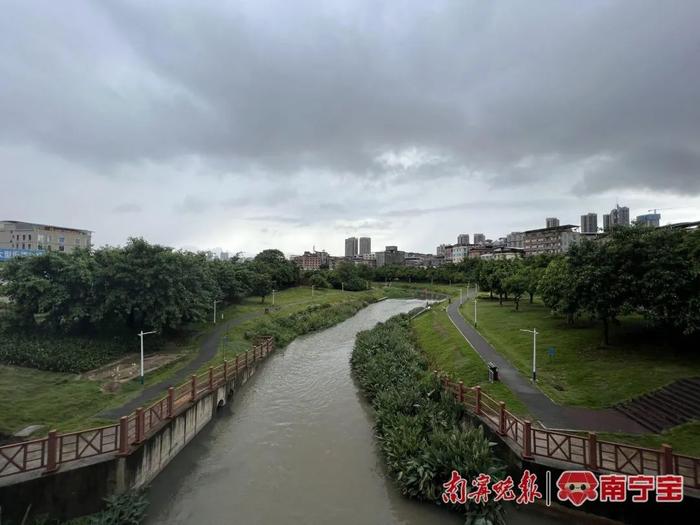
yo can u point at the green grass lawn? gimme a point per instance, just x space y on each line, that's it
450 352
685 439
582 371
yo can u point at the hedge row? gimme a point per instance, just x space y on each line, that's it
421 430
316 317
58 353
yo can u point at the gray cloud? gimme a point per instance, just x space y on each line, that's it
340 112
127 207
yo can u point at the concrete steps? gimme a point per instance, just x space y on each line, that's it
667 407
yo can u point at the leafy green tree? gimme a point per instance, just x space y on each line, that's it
260 285
533 276
516 285
319 281
558 289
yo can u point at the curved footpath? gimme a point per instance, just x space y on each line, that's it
207 352
548 413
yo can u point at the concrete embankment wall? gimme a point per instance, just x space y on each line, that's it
80 488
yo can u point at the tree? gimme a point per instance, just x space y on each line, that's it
260 285
558 289
319 281
533 276
516 285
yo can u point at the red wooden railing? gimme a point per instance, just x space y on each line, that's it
570 449
49 453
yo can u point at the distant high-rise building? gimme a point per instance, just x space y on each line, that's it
619 216
351 247
552 222
606 222
479 238
463 239
589 223
650 219
440 250
391 255
515 239
365 245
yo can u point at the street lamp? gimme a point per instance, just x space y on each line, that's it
215 310
534 352
312 290
273 296
141 334
475 299
460 297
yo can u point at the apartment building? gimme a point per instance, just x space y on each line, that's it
312 260
27 238
550 240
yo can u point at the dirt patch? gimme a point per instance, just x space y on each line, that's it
128 367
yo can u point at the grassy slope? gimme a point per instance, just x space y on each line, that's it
582 372
65 402
450 352
685 439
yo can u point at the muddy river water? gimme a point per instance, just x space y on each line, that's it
296 446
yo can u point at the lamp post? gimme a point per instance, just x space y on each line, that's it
215 310
342 287
312 290
273 296
141 334
534 352
460 297
475 299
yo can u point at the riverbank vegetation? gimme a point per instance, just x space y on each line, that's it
68 402
421 430
60 300
284 329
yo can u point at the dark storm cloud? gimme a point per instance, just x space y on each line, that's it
509 92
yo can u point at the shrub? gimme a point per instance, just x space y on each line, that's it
420 429
315 317
58 353
128 508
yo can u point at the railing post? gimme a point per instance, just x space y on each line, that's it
237 366
52 451
667 451
477 389
171 402
123 435
139 425
193 388
461 392
225 371
502 419
592 451
527 439
211 378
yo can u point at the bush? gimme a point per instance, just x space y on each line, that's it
128 508
420 429
315 317
58 353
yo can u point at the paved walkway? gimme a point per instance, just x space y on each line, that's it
207 352
548 413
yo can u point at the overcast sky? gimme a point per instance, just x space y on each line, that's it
256 124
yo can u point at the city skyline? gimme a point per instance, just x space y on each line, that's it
330 124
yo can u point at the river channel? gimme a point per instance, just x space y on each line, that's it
296 446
